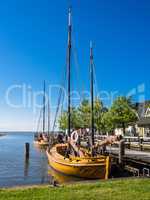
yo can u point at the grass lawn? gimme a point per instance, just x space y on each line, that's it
127 189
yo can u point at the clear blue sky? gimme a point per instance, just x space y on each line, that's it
33 36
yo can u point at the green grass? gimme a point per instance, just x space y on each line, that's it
128 189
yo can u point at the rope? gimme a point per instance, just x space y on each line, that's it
77 66
49 117
60 95
95 79
38 123
59 101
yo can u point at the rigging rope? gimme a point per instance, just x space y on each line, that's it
95 80
60 93
49 118
77 66
39 119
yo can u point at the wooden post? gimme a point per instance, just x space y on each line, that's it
103 149
27 150
107 167
129 144
141 144
121 151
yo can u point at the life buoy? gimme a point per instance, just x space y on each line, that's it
74 136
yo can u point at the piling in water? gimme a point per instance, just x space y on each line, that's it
27 150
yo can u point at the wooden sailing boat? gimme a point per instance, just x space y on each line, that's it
85 165
42 137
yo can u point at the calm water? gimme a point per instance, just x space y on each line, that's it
13 168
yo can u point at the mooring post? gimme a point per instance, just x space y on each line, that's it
129 144
141 144
27 150
121 151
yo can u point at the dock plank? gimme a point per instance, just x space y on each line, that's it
131 154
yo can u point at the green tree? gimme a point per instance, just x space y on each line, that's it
63 119
84 111
122 112
107 121
99 111
81 116
75 118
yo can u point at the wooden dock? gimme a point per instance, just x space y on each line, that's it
139 157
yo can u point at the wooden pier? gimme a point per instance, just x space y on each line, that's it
136 162
140 157
131 153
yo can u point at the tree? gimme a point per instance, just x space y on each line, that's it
75 118
107 121
122 112
84 111
99 111
81 116
63 119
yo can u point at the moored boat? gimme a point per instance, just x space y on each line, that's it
85 167
69 158
41 143
42 138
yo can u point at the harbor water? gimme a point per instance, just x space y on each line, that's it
15 170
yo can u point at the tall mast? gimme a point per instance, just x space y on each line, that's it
69 69
48 123
44 107
92 93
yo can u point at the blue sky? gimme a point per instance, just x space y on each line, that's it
33 37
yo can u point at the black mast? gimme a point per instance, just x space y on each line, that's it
69 69
44 107
92 93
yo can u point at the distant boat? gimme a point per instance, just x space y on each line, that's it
42 138
84 164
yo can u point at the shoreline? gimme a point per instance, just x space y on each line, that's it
72 183
130 189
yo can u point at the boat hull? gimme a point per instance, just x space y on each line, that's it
41 143
90 168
